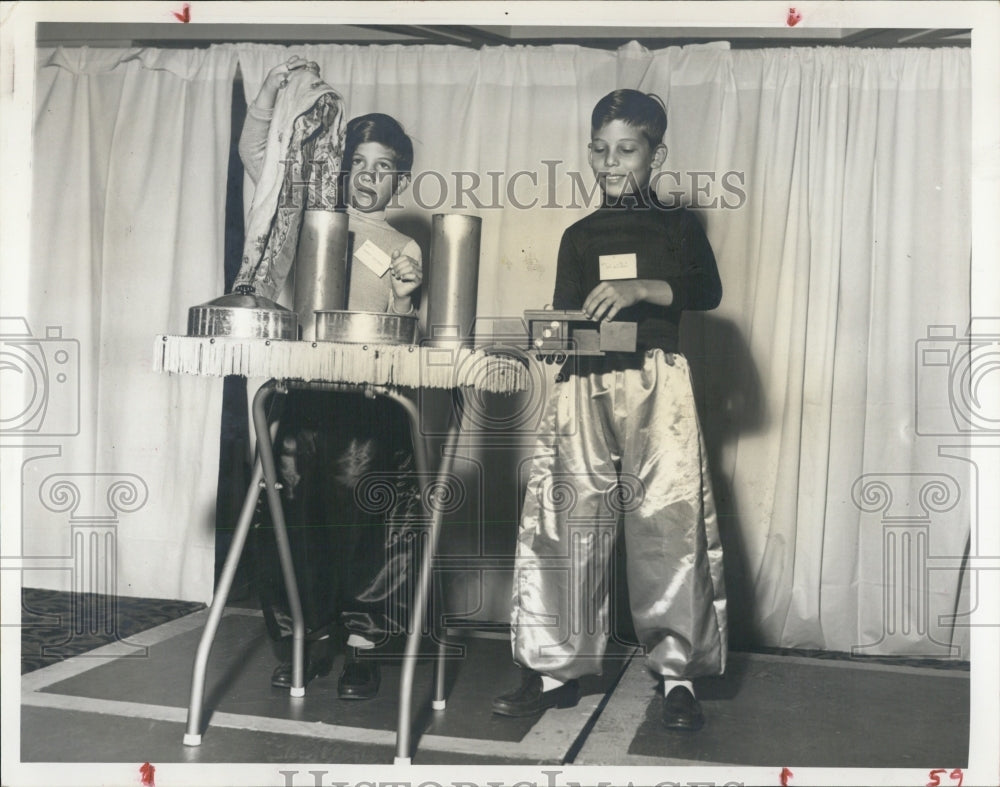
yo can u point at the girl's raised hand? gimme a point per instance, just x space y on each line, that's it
277 78
406 273
279 74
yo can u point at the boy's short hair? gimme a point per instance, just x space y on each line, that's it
385 130
640 110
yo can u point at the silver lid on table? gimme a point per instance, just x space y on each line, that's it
243 315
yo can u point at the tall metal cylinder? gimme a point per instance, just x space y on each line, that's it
453 277
320 267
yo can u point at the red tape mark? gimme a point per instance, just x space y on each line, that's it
185 15
785 776
794 17
148 772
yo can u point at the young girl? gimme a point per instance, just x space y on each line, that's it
327 444
622 431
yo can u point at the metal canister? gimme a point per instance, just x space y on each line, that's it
366 327
320 267
452 278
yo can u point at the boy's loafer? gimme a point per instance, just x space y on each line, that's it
314 667
681 711
530 700
359 680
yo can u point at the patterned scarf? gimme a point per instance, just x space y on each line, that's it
305 146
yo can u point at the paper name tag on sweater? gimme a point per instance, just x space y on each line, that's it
374 258
618 266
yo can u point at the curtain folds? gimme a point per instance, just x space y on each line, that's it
833 184
130 156
853 240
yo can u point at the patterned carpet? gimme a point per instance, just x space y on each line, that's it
56 625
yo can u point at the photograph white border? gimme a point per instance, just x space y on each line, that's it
17 68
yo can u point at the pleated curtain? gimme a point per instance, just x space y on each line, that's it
833 185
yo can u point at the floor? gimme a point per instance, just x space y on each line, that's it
57 625
125 703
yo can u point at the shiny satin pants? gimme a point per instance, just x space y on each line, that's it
351 503
620 448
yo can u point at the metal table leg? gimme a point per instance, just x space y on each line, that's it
192 737
263 475
271 487
404 723
439 702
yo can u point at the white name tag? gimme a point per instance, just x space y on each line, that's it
618 266
374 258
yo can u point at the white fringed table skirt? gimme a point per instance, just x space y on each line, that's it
396 365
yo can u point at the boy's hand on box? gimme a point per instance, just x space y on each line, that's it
406 273
610 297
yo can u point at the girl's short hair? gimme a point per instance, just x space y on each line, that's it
641 110
383 129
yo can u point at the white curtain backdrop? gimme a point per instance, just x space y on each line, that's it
854 239
833 184
834 187
130 158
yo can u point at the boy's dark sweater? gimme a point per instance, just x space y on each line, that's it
669 244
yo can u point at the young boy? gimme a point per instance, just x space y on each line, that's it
378 156
621 434
346 569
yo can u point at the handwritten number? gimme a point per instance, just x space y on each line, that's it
957 775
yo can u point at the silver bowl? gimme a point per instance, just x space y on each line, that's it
243 315
352 327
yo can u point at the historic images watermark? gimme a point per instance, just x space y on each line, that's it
593 514
957 403
906 521
43 372
93 504
48 369
547 186
500 349
550 778
407 503
958 379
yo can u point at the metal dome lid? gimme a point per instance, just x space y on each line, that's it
243 314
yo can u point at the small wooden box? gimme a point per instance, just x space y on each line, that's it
574 333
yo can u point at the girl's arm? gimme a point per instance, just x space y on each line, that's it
253 142
253 138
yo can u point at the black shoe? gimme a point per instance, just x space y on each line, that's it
319 662
359 680
530 700
681 711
